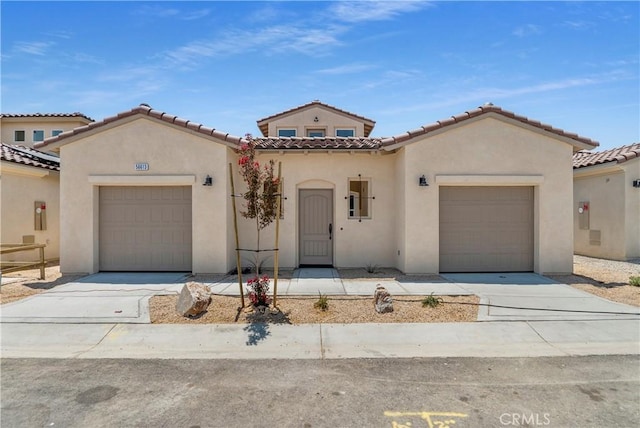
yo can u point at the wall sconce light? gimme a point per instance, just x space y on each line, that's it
208 181
636 183
315 119
422 181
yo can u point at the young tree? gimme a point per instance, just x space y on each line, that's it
261 204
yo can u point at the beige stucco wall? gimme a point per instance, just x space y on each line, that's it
404 228
489 151
632 208
21 187
327 119
175 156
614 210
356 244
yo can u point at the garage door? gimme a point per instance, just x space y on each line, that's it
145 228
486 229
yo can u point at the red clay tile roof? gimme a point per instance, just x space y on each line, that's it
262 122
317 143
30 157
487 108
321 143
146 110
42 115
619 155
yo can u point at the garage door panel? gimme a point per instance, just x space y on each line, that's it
486 229
145 228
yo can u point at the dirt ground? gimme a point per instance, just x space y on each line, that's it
606 279
28 282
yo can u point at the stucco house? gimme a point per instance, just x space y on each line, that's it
29 129
606 194
30 180
29 200
486 190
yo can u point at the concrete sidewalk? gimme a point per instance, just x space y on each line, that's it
320 341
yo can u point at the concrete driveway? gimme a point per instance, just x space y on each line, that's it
98 298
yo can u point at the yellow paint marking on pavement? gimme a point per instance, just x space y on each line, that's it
433 419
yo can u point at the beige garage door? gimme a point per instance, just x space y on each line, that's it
486 229
145 228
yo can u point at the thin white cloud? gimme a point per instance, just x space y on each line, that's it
482 95
360 11
33 48
273 39
158 11
347 69
578 25
527 30
61 34
196 14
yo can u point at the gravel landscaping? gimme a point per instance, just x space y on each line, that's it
342 309
608 279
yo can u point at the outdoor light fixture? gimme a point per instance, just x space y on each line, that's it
636 183
208 181
423 181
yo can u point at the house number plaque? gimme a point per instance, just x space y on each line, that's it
142 166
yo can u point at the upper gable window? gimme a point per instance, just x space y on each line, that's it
56 132
286 132
38 135
18 136
315 133
345 133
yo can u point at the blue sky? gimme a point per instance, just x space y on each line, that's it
573 65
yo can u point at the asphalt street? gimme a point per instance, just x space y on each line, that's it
595 391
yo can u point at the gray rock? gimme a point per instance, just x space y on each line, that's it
382 300
194 299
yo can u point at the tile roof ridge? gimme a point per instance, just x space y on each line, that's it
38 115
316 103
30 157
146 110
483 109
617 154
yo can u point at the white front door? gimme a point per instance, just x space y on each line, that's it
316 226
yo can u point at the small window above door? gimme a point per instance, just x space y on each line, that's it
316 132
286 132
345 133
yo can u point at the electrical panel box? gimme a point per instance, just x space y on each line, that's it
40 215
583 215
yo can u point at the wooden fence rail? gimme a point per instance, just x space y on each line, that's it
11 266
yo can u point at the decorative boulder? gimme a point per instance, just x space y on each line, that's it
382 300
194 299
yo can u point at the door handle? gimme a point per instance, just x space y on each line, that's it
330 231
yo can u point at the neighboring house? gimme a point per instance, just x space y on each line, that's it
606 194
29 129
486 190
29 200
